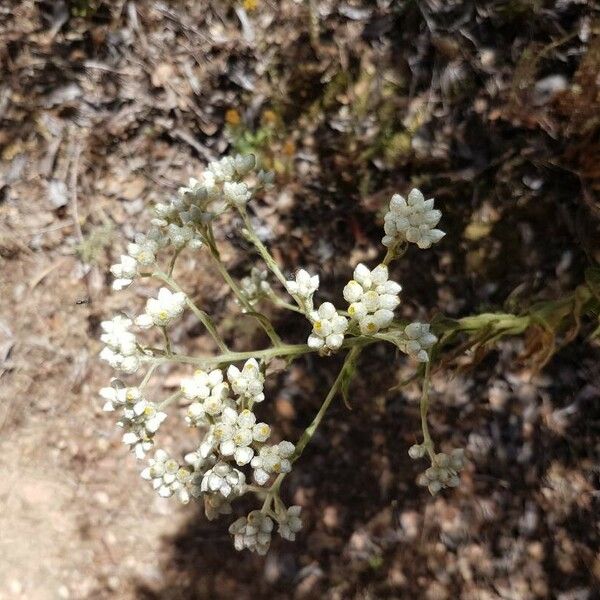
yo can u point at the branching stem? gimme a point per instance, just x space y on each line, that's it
203 317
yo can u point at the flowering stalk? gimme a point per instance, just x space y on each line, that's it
202 316
221 395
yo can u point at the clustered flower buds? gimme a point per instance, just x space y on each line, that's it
328 329
304 287
444 470
418 340
413 220
255 286
234 454
167 476
163 310
121 351
372 297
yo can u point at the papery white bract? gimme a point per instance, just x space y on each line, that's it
163 310
252 532
419 340
303 285
372 297
248 382
290 523
413 220
168 477
328 328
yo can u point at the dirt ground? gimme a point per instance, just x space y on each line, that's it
492 107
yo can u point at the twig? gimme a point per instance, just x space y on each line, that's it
74 177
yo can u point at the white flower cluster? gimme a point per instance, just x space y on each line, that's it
163 310
140 254
235 455
444 469
247 383
303 286
272 459
254 531
168 476
139 418
233 438
255 286
413 220
372 297
220 185
328 329
121 350
419 340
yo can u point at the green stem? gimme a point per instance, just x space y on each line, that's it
169 400
424 407
148 375
202 316
394 252
266 256
167 341
266 353
235 288
309 432
173 260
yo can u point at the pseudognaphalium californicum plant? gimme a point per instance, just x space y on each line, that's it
236 455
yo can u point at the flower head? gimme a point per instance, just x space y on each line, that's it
236 193
413 220
328 328
124 272
252 532
290 523
372 297
247 383
272 459
168 477
418 340
236 432
163 310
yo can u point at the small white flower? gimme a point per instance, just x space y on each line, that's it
163 310
124 272
223 170
290 523
418 340
247 383
252 532
444 471
144 252
303 285
140 422
328 328
372 297
223 479
116 335
117 397
272 459
180 236
255 286
121 350
244 163
236 193
236 433
164 212
168 477
202 384
413 220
